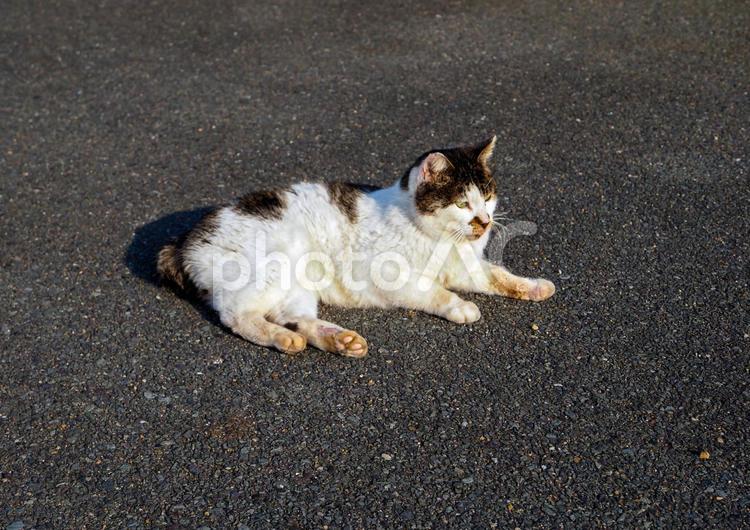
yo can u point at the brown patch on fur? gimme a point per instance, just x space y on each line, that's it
502 286
468 165
292 326
345 197
170 264
506 290
265 204
523 288
508 284
477 226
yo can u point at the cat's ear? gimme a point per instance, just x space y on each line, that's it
485 149
433 168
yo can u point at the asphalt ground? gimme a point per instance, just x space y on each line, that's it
623 134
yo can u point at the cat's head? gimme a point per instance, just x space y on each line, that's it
453 191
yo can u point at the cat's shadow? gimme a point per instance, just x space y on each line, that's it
141 255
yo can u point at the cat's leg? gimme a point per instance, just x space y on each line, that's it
299 313
329 337
489 278
505 283
436 300
255 328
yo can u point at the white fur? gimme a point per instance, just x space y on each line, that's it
266 262
387 225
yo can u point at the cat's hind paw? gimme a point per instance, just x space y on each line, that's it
289 342
350 344
463 313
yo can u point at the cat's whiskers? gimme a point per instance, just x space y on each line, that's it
457 235
501 229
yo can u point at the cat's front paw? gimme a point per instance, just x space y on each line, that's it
542 290
463 313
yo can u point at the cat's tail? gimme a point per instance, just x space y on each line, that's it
170 269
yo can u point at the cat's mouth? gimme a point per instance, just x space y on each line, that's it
477 233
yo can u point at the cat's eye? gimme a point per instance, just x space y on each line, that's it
488 197
462 204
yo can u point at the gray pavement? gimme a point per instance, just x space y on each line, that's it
623 133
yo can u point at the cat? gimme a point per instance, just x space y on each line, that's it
265 261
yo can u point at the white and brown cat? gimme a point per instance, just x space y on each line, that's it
265 261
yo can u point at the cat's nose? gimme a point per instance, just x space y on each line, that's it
480 224
481 220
